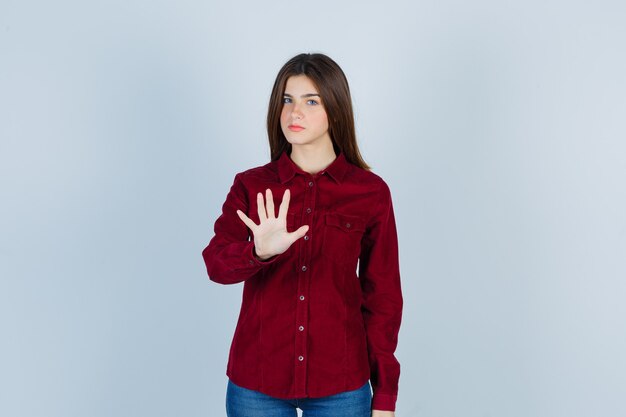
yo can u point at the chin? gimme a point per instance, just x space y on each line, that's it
298 141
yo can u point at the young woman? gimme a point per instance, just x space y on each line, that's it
322 301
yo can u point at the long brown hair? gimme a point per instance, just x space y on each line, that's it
332 86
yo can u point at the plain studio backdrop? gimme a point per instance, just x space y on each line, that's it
500 127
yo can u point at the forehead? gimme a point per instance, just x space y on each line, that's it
300 84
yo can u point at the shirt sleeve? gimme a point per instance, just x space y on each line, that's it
229 256
381 305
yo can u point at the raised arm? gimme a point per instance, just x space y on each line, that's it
231 255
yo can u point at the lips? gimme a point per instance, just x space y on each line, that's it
295 128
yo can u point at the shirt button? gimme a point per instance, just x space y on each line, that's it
301 297
348 225
303 267
300 358
301 328
308 210
310 183
306 237
251 262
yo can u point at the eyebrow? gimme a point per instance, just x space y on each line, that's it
303 95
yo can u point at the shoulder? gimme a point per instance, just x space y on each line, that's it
265 171
369 179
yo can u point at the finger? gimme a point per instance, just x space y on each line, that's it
269 204
284 205
261 207
246 220
297 234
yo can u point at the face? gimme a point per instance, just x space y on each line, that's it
302 106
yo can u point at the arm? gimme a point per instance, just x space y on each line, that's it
382 301
230 257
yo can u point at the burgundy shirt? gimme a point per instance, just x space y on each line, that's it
322 317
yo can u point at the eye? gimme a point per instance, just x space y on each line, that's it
313 101
285 99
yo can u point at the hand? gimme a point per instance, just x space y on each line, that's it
270 235
381 413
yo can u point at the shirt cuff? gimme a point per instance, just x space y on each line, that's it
254 261
384 402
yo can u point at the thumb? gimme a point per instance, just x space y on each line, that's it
301 231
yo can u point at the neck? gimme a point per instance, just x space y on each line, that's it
313 159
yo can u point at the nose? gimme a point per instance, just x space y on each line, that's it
296 113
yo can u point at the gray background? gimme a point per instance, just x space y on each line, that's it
499 126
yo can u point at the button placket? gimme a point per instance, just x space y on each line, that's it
304 274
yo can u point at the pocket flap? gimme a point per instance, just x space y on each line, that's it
346 222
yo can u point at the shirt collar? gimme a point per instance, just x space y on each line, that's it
336 170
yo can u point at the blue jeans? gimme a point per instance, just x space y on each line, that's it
242 402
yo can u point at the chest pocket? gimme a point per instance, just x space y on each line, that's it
342 237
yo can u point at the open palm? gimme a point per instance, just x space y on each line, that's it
270 235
